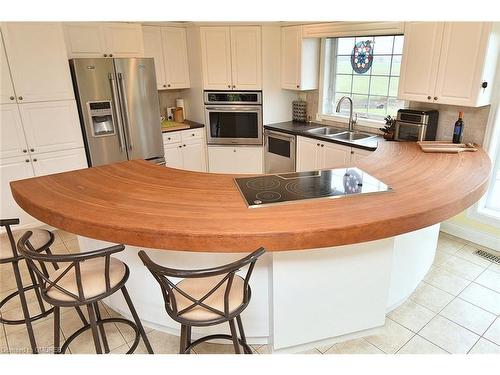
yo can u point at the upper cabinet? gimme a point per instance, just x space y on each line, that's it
231 57
104 39
36 54
7 93
168 47
299 59
448 62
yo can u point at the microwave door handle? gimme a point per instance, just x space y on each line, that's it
116 110
125 110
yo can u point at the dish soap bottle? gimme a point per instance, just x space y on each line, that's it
458 129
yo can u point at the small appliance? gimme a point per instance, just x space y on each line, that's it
416 125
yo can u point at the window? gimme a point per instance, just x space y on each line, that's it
366 69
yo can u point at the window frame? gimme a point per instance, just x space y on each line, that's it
320 116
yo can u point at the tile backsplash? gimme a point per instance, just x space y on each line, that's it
475 119
167 99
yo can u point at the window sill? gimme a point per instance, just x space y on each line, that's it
344 119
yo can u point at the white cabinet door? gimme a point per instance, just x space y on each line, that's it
461 63
227 159
334 155
308 154
123 39
38 61
84 39
291 40
7 94
59 161
51 126
175 57
12 139
151 36
194 156
359 154
419 64
246 58
13 169
173 155
216 57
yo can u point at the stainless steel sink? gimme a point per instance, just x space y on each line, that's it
352 136
325 130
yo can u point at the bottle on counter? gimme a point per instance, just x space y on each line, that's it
458 129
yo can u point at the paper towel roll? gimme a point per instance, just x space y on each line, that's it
180 103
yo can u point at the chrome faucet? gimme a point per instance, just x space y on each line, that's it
351 121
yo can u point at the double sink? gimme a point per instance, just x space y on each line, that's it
331 132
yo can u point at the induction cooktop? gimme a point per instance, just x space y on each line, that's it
282 188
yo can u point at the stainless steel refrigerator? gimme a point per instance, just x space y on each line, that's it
119 109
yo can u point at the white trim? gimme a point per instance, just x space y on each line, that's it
470 234
361 121
346 29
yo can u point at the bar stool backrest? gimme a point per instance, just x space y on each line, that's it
26 249
228 271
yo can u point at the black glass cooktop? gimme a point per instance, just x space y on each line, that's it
289 187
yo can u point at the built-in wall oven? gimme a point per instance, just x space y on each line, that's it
233 117
279 153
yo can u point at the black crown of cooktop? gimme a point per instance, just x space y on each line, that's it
289 187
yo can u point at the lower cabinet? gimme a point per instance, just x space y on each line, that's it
186 150
235 159
314 154
59 161
12 169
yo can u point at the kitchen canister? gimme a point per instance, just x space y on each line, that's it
299 110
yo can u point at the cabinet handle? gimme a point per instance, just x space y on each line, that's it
234 86
164 85
228 86
110 55
24 150
183 145
168 85
169 138
20 98
12 98
234 150
193 134
32 149
429 97
298 86
180 146
105 55
35 159
352 152
435 98
322 145
317 144
27 160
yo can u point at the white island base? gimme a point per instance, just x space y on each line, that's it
300 299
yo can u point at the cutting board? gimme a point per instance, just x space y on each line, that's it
446 147
172 125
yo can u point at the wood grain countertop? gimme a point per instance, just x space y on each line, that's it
141 204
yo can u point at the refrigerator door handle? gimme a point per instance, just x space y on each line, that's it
116 104
125 110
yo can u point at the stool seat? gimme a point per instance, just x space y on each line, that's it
39 239
92 276
198 287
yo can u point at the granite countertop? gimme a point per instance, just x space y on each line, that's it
300 128
192 125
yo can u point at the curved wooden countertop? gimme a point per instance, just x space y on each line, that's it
141 204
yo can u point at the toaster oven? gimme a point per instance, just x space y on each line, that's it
416 125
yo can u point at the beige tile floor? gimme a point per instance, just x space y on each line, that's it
455 309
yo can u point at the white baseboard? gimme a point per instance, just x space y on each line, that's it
471 234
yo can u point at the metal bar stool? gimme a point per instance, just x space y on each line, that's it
85 279
41 241
206 297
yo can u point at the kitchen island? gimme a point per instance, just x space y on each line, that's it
333 268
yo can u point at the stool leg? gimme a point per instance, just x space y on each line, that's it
36 288
57 329
182 341
235 336
242 332
80 314
93 326
24 306
101 328
137 320
188 338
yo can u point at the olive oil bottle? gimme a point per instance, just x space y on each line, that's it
458 129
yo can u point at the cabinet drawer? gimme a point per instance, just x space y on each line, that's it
171 137
186 135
